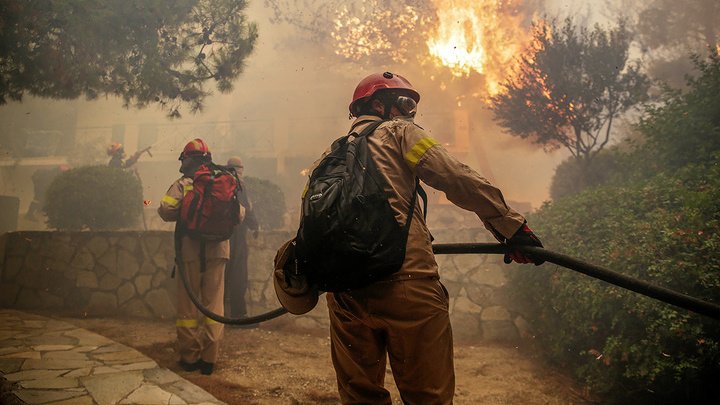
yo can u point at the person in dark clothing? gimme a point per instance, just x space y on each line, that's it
236 275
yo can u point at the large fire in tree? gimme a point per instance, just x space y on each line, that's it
465 36
482 36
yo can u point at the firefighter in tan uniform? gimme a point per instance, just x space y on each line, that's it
198 337
405 317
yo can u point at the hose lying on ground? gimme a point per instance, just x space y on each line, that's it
630 283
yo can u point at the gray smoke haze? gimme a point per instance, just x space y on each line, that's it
291 102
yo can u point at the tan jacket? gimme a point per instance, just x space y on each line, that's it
169 211
403 150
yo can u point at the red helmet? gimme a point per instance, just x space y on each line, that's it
115 148
381 81
196 147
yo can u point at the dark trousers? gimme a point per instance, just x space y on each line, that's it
236 275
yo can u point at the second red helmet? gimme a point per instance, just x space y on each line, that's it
196 147
380 81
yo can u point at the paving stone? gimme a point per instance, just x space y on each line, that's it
88 338
160 376
108 358
8 366
32 364
49 348
84 349
78 367
50 383
176 400
80 372
105 370
112 347
148 394
22 355
7 334
143 365
66 355
49 340
111 388
33 375
44 396
85 400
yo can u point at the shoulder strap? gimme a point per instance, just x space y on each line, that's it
411 211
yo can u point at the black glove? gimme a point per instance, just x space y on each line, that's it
523 237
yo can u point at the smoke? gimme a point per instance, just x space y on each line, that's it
292 99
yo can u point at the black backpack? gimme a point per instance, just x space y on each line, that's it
349 236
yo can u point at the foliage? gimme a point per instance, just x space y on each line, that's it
569 87
685 128
657 219
145 51
571 179
268 202
665 231
95 198
669 30
389 36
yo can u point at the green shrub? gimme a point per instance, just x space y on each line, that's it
268 202
95 198
569 178
685 128
630 348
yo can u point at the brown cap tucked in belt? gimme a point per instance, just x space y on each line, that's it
292 289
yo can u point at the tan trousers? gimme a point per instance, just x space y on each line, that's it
409 321
199 337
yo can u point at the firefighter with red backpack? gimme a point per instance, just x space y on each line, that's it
205 221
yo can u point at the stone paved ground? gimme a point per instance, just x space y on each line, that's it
45 361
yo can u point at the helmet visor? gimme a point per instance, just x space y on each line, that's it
406 105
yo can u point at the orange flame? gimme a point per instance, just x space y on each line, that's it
482 36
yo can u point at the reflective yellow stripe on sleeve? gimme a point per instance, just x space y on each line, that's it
418 150
187 188
186 323
173 202
209 321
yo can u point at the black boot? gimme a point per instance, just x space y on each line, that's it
206 368
190 366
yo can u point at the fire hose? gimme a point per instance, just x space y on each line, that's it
663 294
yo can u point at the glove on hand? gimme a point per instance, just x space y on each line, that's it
523 237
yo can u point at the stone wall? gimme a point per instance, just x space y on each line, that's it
128 273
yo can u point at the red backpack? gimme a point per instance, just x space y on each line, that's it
210 210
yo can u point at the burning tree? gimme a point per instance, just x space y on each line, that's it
143 51
456 39
569 87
